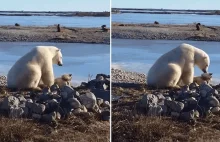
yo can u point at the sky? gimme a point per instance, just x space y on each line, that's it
168 4
55 5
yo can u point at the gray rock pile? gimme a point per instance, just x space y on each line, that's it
3 80
121 76
99 86
187 104
53 103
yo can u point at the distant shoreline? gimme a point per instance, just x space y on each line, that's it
165 32
164 11
52 13
50 34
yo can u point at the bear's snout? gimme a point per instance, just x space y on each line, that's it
60 64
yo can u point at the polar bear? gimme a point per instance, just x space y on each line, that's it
177 66
34 67
63 80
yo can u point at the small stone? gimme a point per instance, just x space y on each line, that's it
175 114
36 116
30 100
58 115
192 86
10 102
215 109
106 104
174 105
54 87
64 95
187 116
36 108
99 101
213 101
105 115
154 110
203 93
194 94
49 117
205 86
147 100
88 100
16 112
74 103
83 108
21 98
168 98
78 110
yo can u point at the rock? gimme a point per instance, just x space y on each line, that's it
58 115
64 95
215 109
49 117
16 112
99 101
74 103
26 112
106 104
69 90
96 109
148 100
88 100
212 101
83 108
214 92
174 105
164 109
22 99
78 110
54 87
36 116
105 115
51 106
36 108
9 102
160 96
195 95
154 110
185 88
187 116
99 78
168 98
104 94
175 114
29 100
46 90
203 93
193 86
205 86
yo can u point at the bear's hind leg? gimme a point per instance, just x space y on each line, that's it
173 74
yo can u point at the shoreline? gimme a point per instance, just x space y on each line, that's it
53 13
165 32
50 34
164 11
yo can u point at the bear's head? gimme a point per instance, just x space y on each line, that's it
57 59
203 62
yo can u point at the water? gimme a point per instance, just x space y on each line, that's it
140 55
211 20
54 20
78 59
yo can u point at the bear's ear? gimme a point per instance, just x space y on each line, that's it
58 50
210 73
70 74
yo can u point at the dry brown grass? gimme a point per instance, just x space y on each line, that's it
130 126
80 128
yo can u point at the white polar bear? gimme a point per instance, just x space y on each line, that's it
177 66
35 67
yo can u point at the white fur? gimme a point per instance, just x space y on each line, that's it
177 66
34 67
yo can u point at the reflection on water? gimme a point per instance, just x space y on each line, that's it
139 55
78 59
